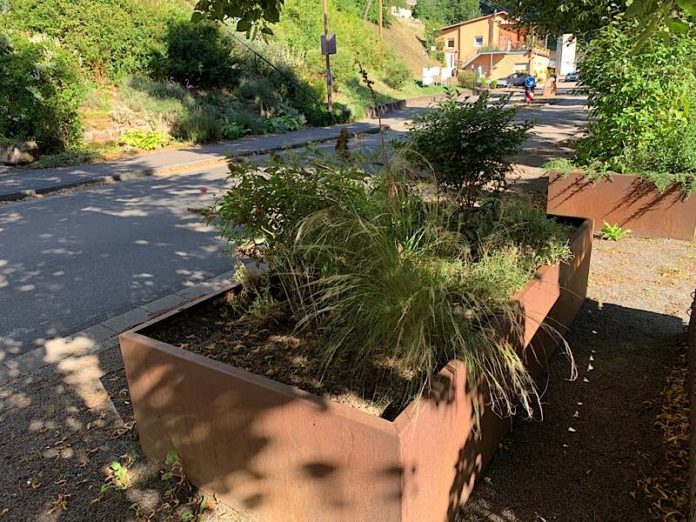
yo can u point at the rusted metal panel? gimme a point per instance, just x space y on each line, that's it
692 409
628 201
286 455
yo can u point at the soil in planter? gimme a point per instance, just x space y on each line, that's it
268 344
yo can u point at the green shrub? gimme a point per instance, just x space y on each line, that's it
261 92
199 126
396 74
40 92
641 100
468 146
233 131
198 53
467 79
112 37
318 116
282 124
493 84
144 140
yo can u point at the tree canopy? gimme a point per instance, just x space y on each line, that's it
444 12
584 17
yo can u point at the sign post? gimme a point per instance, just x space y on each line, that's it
328 47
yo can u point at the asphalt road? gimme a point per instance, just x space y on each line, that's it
69 261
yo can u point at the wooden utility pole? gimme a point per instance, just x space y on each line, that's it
379 17
329 79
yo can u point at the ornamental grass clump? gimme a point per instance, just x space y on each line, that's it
391 273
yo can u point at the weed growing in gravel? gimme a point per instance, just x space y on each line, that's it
611 232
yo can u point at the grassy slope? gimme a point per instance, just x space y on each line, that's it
404 39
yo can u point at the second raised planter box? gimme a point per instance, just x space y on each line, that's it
628 201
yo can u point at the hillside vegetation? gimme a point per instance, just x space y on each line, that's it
104 64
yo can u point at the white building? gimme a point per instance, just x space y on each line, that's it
565 54
404 12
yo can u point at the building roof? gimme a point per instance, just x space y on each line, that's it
465 22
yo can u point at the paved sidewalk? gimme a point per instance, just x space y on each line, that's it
20 183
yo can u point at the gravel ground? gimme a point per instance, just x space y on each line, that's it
61 429
598 440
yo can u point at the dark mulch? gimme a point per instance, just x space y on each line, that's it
269 344
603 435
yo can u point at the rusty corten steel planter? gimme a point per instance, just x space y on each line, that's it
283 454
628 201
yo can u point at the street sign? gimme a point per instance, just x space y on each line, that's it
328 44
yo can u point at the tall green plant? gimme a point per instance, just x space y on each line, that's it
40 92
641 102
468 145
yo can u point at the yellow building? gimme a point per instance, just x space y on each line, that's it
495 46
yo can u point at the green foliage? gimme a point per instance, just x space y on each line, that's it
467 79
266 208
261 92
112 37
144 140
40 92
200 54
641 103
65 159
562 165
199 126
468 145
614 232
253 17
282 124
446 12
398 286
233 131
396 74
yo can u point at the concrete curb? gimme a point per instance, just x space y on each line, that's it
104 335
169 170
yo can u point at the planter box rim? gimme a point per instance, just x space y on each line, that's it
576 173
399 424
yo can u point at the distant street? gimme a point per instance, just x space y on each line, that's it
68 261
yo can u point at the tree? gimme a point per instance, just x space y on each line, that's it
585 17
444 12
252 15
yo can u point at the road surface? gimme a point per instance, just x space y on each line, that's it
69 261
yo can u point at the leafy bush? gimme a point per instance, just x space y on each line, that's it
40 92
467 145
641 102
198 53
281 124
319 116
233 131
199 126
396 74
112 37
493 84
467 79
144 140
261 92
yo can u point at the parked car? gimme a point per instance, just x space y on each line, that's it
572 77
514 80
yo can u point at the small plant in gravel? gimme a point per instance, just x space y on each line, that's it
611 232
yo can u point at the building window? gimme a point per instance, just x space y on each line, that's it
478 41
450 43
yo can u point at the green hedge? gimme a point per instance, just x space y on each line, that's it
40 92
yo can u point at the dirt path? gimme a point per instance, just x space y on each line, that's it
598 439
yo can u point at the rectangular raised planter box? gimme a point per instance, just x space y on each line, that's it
628 201
283 454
